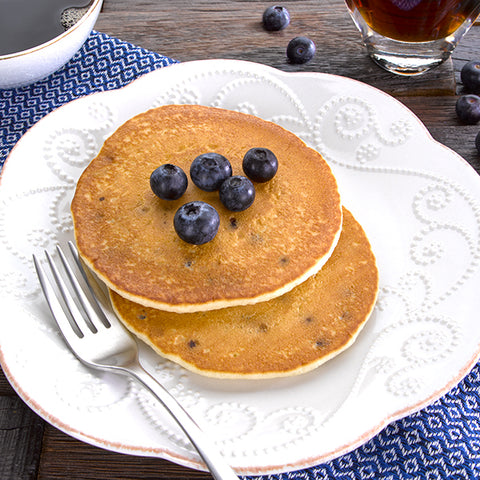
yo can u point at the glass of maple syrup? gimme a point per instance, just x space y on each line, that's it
409 37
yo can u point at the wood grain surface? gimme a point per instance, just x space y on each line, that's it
217 29
185 30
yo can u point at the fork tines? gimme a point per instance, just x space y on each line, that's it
68 293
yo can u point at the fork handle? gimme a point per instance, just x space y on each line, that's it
215 463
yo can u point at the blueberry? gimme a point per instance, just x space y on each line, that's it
468 109
168 182
209 170
300 50
470 76
477 142
196 222
237 193
260 164
276 18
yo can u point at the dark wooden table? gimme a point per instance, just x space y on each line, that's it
198 29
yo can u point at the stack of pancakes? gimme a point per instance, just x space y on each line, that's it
284 286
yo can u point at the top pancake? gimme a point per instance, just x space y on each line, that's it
125 233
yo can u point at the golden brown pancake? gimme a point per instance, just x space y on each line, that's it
287 335
125 233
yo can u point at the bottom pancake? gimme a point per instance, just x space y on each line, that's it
288 335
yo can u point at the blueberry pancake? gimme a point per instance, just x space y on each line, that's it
125 233
287 335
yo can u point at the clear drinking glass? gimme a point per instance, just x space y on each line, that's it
409 37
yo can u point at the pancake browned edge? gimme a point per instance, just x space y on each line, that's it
125 233
288 335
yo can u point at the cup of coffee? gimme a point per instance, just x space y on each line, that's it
409 37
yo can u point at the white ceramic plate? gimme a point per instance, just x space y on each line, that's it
417 200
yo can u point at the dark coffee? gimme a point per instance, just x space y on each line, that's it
414 20
26 24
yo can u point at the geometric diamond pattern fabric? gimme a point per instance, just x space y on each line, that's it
440 442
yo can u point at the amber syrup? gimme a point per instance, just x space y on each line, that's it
414 20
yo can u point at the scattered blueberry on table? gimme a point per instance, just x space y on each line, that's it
276 18
300 50
168 182
470 76
477 142
468 109
468 105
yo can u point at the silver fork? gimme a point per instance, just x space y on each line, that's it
99 340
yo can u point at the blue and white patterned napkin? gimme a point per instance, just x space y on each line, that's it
442 441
